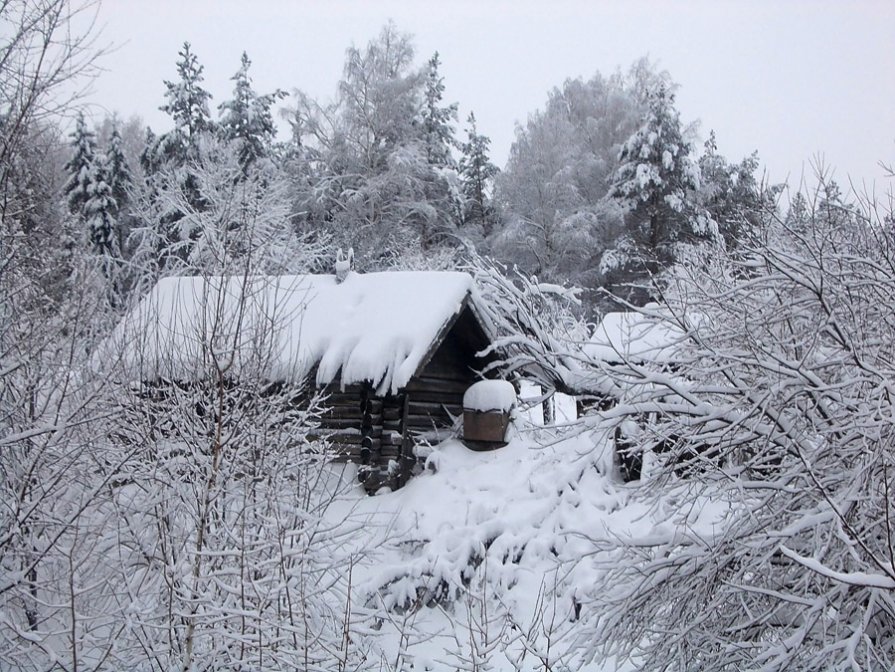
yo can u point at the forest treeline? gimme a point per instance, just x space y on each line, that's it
603 188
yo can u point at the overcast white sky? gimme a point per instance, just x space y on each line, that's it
793 80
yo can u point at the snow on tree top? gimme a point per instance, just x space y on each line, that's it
633 336
490 395
375 327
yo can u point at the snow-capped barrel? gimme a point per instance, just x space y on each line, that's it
486 413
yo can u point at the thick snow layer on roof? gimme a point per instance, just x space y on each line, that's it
374 327
633 336
490 395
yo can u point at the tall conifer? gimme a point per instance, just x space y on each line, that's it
476 171
80 167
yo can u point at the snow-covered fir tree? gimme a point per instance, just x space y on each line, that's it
120 181
246 118
439 179
732 194
170 161
187 104
116 166
149 162
656 182
657 176
476 173
438 133
79 167
100 212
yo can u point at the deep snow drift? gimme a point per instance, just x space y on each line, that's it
490 557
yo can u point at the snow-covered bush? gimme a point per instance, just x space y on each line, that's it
789 380
152 523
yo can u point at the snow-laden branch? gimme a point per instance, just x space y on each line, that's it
783 397
864 579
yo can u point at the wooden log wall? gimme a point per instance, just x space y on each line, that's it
434 402
342 421
435 399
366 430
378 433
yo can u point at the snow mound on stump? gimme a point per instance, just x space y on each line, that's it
490 395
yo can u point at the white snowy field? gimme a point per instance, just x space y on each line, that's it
488 560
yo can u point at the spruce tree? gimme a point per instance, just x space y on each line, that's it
171 158
119 174
733 196
187 102
246 119
655 184
438 133
120 180
149 162
99 212
656 180
476 171
79 167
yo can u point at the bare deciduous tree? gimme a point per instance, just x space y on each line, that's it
780 416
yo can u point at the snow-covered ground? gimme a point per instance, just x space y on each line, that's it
487 557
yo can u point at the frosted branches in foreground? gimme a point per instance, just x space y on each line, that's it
783 411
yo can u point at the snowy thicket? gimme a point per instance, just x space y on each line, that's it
222 516
214 214
154 523
533 326
782 410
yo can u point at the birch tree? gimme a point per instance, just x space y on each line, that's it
382 177
556 219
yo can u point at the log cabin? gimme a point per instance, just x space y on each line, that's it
392 352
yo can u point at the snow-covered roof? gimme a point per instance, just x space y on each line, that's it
633 337
376 327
